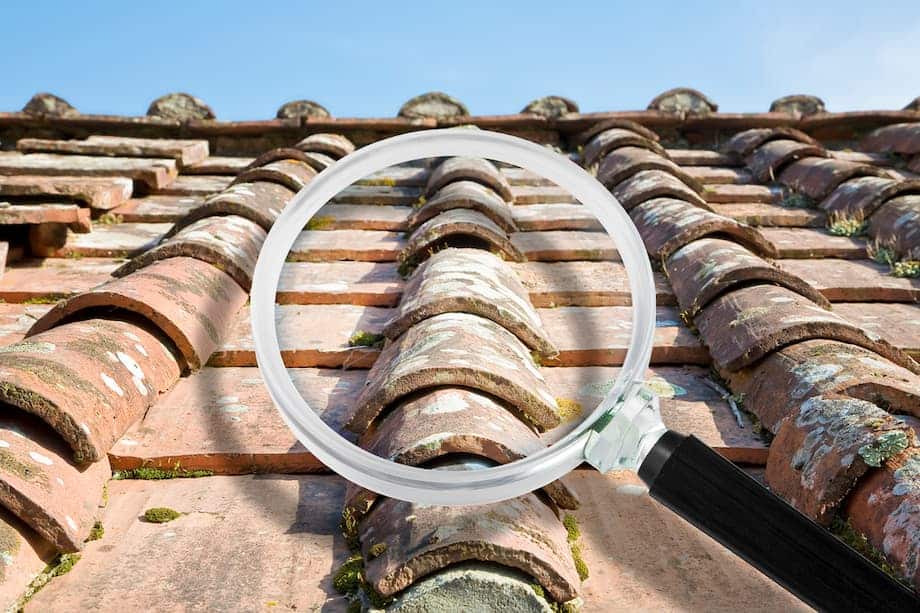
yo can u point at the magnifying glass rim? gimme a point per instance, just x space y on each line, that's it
419 484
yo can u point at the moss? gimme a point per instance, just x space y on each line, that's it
573 533
538 590
96 533
363 338
26 471
61 565
348 578
419 203
108 219
9 547
160 515
320 222
843 529
581 566
798 201
840 225
906 268
571 527
376 550
354 607
407 265
46 299
349 527
881 253
154 474
568 409
536 357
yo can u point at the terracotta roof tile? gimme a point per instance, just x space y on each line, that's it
767 159
157 208
292 174
469 169
64 214
897 223
185 152
648 184
860 197
259 201
465 194
798 105
683 101
152 173
459 225
98 193
742 144
853 280
620 164
195 185
218 165
817 177
614 138
896 138
596 128
335 146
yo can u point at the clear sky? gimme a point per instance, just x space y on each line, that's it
365 59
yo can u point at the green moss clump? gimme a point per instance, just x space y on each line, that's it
363 338
906 268
847 226
146 473
320 222
109 219
536 357
882 254
349 527
571 527
538 590
64 564
842 529
376 550
354 606
580 566
96 533
568 409
160 515
348 578
573 533
885 446
798 201
47 299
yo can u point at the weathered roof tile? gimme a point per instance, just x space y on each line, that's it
258 201
744 143
897 138
335 146
470 169
154 173
465 194
897 224
648 184
622 163
459 225
185 152
289 173
614 138
99 193
817 177
766 160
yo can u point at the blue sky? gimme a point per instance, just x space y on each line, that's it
366 59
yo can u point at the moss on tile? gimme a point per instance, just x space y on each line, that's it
573 532
347 579
842 225
160 515
155 474
843 529
363 338
46 299
376 550
909 269
320 222
568 408
798 201
109 219
571 527
96 533
61 565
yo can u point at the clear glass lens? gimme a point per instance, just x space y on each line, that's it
422 485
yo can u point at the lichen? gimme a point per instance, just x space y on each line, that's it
885 446
160 515
26 471
9 547
568 409
349 527
46 299
538 590
347 579
376 550
363 338
154 474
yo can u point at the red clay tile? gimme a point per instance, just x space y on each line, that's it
786 378
196 185
825 446
470 169
157 208
260 201
817 177
292 174
406 176
18 214
114 240
749 323
583 283
98 193
798 105
335 146
16 319
565 246
362 217
538 194
290 153
765 214
551 107
744 143
25 554
559 216
614 138
465 195
701 157
596 128
521 533
648 184
358 245
899 324
40 485
35 279
470 281
813 243
707 268
153 173
733 194
218 165
459 226
914 165
185 152
720 176
683 101
89 380
191 301
901 138
360 283
432 105
666 225
378 194
457 349
860 197
883 507
230 243
766 160
620 164
853 280
897 224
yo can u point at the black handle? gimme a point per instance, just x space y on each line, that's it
730 506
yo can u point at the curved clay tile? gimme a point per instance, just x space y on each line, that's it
292 174
749 323
614 138
180 106
897 224
462 350
705 269
459 225
817 177
620 164
522 533
49 105
469 169
551 107
260 202
860 197
190 301
648 184
317 162
302 108
743 143
883 506
231 243
586 135
470 281
88 380
826 445
335 146
901 138
40 484
465 195
666 225
773 387
798 105
433 105
766 160
683 101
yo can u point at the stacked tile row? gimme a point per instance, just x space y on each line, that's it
457 386
94 363
858 197
834 396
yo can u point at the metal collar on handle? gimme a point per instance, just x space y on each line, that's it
418 484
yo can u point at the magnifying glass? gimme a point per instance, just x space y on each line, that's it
624 432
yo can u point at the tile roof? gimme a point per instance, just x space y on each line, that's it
787 246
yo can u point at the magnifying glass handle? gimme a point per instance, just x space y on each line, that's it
726 503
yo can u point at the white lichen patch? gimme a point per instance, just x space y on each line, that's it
111 384
41 459
131 364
